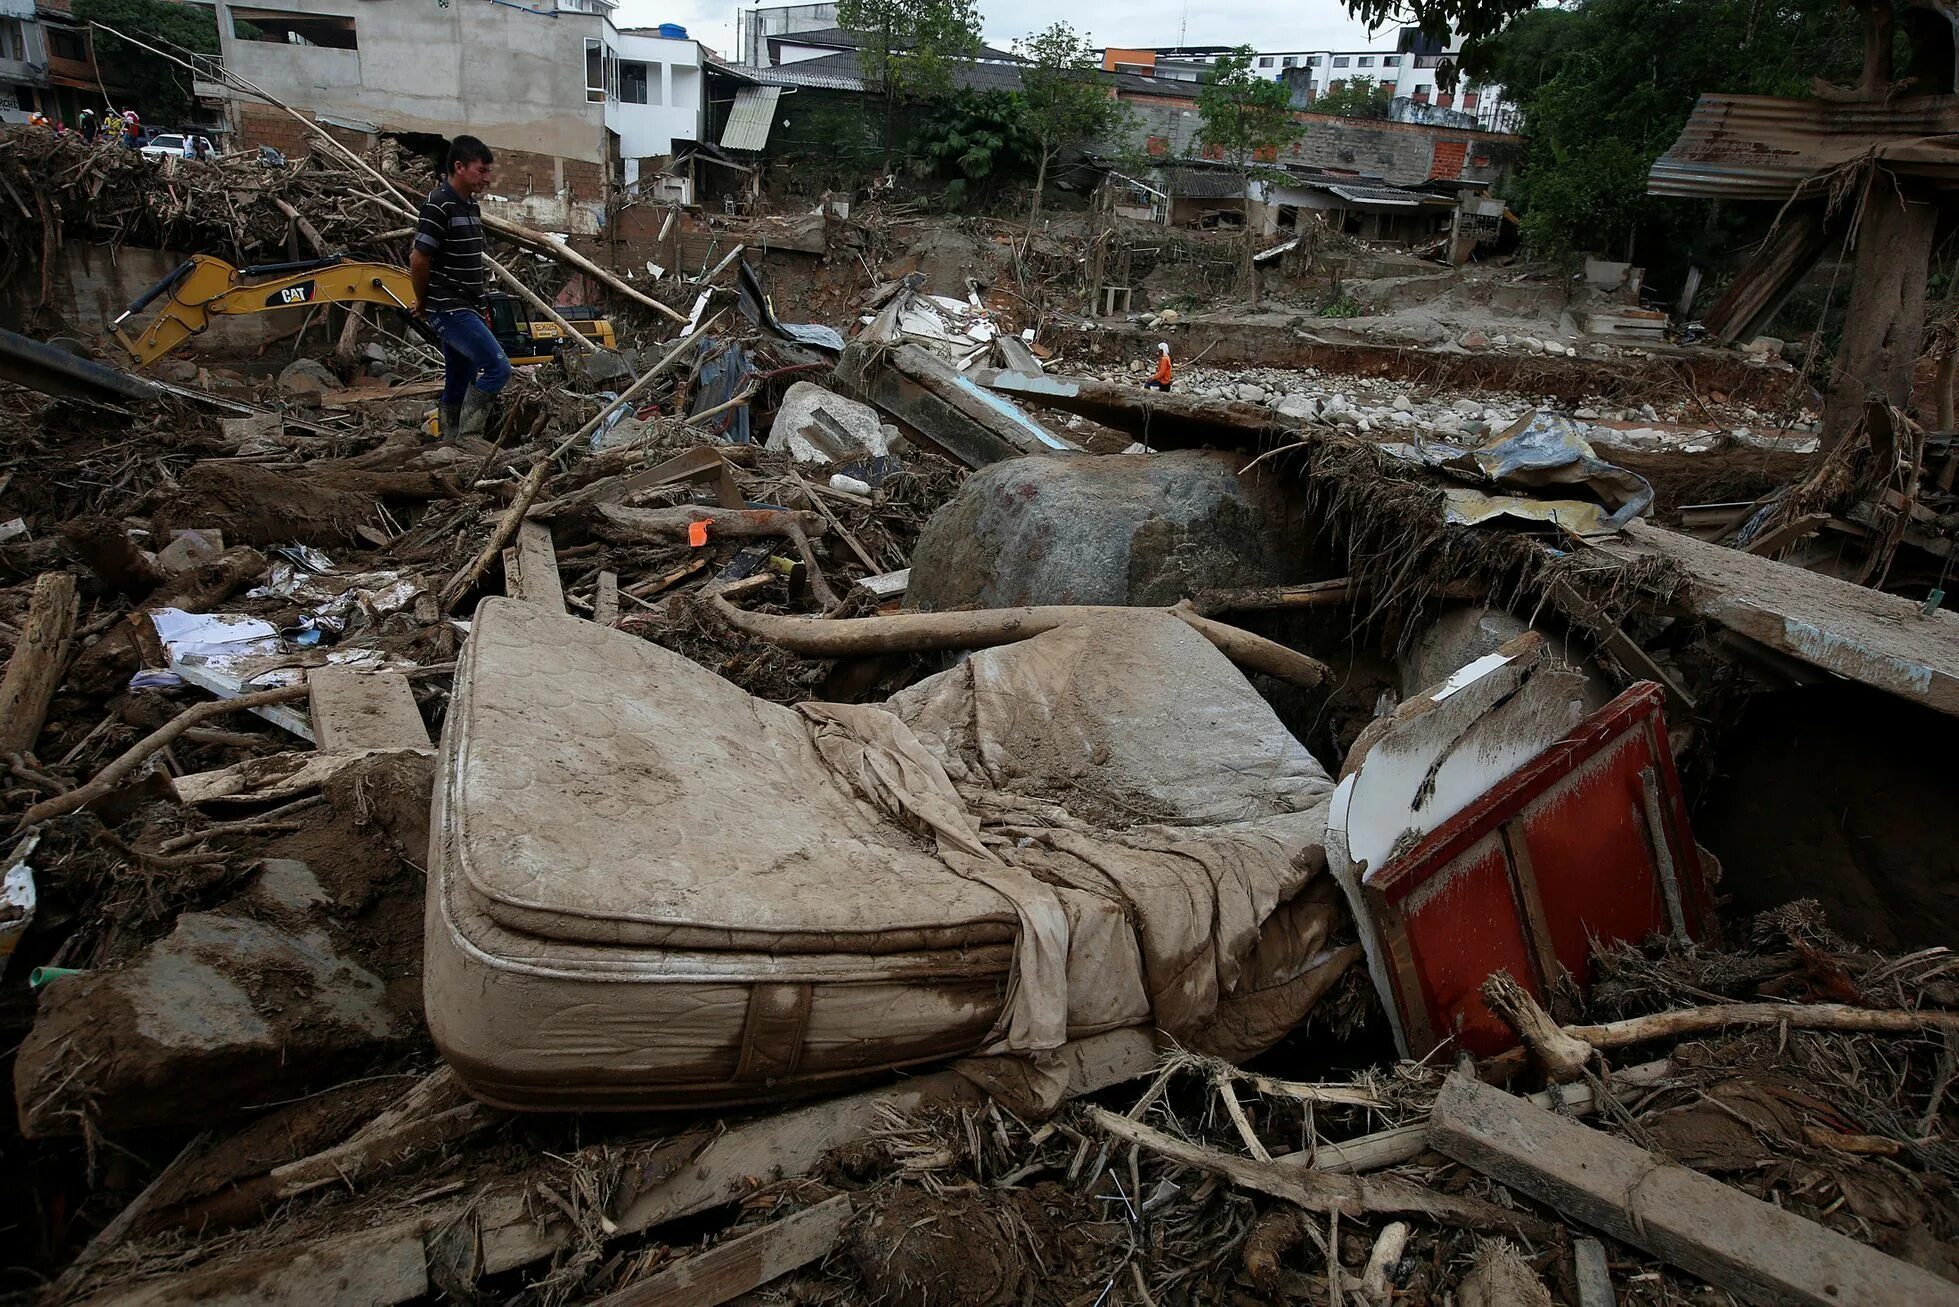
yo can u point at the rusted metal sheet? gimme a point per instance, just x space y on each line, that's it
1763 147
1588 841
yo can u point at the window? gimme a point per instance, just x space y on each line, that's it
1312 61
632 82
289 27
1341 61
1366 61
1290 62
13 39
67 45
594 70
1390 61
1264 62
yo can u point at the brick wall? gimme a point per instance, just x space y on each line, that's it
587 180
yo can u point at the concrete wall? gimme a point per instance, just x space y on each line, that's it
674 95
514 77
93 284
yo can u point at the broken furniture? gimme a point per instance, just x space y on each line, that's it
648 889
1475 832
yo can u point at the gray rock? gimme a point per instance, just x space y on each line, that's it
598 369
799 407
1402 405
303 377
1251 394
230 1009
374 352
1465 633
1108 529
1474 340
1586 415
1303 407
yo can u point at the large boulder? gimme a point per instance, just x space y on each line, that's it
232 1007
1137 529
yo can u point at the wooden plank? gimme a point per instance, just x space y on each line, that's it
1786 534
605 605
1877 639
743 1263
888 585
1594 1274
39 657
363 710
1753 1249
537 568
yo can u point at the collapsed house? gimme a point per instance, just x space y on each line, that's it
716 836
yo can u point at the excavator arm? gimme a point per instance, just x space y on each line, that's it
203 286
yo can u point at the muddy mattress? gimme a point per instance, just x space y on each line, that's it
649 889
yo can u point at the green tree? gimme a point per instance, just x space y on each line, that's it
974 137
1246 119
160 90
1067 105
1357 97
1897 217
908 48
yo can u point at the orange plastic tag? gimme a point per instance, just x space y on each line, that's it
697 534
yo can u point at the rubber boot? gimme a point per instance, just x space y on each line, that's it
475 413
446 418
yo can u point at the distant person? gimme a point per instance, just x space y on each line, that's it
132 129
200 149
37 119
85 124
447 270
1160 379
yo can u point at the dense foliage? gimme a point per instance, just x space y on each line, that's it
1357 97
973 138
158 89
908 48
1604 86
1066 104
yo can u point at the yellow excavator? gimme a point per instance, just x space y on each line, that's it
202 287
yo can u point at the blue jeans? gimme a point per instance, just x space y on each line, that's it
470 354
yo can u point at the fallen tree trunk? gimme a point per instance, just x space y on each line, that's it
38 660
632 525
860 637
1319 1191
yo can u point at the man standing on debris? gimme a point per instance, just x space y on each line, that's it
447 270
86 125
1161 379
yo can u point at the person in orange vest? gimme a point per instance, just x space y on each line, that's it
1160 380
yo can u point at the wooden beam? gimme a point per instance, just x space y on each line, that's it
537 568
605 603
743 1263
39 658
363 710
1753 1249
1786 534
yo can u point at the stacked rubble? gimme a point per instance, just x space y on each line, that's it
371 792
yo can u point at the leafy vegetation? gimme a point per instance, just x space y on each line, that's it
159 90
1357 97
974 138
908 48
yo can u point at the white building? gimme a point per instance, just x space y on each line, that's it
1410 66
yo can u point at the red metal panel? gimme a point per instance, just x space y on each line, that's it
1588 841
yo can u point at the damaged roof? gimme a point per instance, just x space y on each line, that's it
1761 147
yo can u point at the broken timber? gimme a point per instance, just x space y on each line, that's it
745 1262
1161 420
1750 1248
40 656
498 1229
353 710
1857 633
537 581
941 408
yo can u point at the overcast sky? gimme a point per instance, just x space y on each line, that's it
1312 25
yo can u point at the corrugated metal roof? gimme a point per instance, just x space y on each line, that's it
749 120
1765 148
1379 195
1200 183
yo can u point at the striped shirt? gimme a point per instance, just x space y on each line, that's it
451 234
